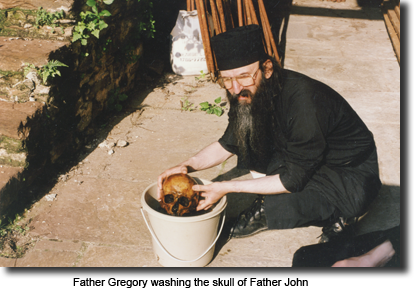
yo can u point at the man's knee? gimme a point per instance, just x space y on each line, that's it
304 208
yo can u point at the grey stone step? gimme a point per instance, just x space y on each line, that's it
18 22
17 54
16 122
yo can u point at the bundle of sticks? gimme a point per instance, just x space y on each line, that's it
221 13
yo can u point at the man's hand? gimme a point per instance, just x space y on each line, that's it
179 169
211 193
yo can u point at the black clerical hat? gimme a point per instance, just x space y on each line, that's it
238 47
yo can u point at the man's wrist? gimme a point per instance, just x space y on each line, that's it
189 165
230 187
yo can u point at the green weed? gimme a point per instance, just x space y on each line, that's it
12 226
201 77
215 108
186 105
49 70
44 18
115 99
91 22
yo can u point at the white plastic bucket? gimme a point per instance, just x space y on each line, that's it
182 241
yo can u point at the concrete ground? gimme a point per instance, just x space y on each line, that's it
95 218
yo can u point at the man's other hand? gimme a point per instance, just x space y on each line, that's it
211 194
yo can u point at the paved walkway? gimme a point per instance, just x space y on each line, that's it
95 219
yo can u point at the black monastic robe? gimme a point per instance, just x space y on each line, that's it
320 143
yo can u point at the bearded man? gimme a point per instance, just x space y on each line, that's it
313 160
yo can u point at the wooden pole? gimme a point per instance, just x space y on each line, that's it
190 5
240 12
254 18
265 33
221 14
206 13
228 13
206 36
244 14
247 13
216 20
268 31
252 12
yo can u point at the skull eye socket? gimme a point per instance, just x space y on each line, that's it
168 198
184 201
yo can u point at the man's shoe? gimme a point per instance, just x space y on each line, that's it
342 228
251 221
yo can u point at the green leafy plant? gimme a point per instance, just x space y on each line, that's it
147 26
50 70
46 71
215 108
28 68
107 43
186 105
91 22
201 77
115 99
44 18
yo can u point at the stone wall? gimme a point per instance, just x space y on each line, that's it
42 124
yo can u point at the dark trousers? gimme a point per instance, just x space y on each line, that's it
332 192
306 208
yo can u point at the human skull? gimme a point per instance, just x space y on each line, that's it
179 197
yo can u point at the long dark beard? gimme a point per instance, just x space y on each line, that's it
254 122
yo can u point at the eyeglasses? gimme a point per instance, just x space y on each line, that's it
245 80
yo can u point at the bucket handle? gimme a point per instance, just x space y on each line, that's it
173 257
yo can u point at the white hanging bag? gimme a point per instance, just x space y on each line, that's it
187 52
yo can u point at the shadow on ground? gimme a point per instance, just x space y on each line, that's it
102 126
342 13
